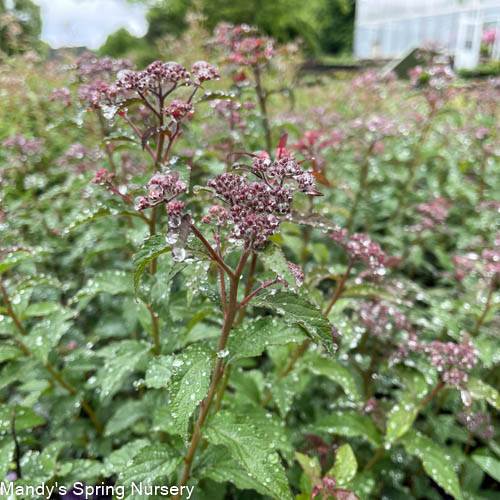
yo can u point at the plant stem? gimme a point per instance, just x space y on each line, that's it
248 287
261 96
218 371
487 307
339 289
104 131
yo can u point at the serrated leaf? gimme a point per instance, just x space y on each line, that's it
216 464
6 454
488 462
42 309
45 335
111 208
345 467
159 372
350 424
25 418
149 465
252 337
211 96
121 359
481 390
8 352
370 291
435 462
334 371
274 259
311 466
188 385
401 418
152 247
119 459
296 310
125 416
252 448
112 282
15 258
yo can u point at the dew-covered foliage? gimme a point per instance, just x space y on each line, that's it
225 275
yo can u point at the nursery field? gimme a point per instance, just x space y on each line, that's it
222 281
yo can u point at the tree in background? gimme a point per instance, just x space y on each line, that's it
20 27
324 26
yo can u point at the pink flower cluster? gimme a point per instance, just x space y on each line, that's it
487 264
103 177
254 207
327 483
244 46
477 423
162 188
158 74
380 317
452 359
61 94
361 248
26 147
89 66
99 92
434 212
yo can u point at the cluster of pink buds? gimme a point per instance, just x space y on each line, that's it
382 318
61 94
98 93
103 177
477 423
89 66
162 188
178 109
486 264
327 483
452 359
24 147
435 82
361 248
244 46
254 207
434 213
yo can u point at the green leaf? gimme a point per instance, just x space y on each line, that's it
17 257
25 418
296 310
121 359
345 467
311 466
488 462
8 352
112 282
188 385
151 248
350 424
481 390
125 416
150 464
370 291
6 454
159 372
216 464
253 337
42 309
252 448
435 462
119 459
327 367
401 418
45 335
274 259
100 212
210 96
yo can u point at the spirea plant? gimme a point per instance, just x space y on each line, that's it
207 295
